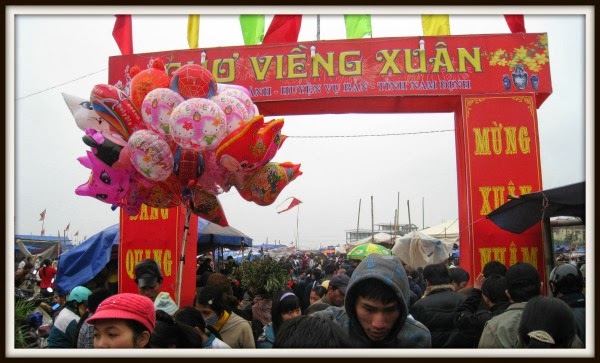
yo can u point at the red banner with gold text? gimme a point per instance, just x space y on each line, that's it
157 233
500 148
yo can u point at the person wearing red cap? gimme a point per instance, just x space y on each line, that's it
123 321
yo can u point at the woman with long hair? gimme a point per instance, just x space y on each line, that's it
286 305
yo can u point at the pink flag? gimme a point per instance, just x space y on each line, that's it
516 23
43 216
123 34
68 225
283 29
293 203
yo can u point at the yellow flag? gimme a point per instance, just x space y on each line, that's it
193 30
435 24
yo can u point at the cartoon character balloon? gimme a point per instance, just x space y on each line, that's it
117 109
198 124
157 108
150 155
235 111
106 184
84 114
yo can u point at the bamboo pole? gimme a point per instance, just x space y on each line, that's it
358 221
409 222
372 221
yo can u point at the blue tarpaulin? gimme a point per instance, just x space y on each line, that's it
83 262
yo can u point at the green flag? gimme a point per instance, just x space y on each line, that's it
253 28
357 26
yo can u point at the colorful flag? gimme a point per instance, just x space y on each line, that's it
293 203
193 31
123 34
43 215
68 225
253 28
516 23
76 234
43 232
283 29
357 26
435 24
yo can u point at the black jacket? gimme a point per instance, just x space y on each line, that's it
436 311
470 319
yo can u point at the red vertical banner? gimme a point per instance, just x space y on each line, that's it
497 156
158 233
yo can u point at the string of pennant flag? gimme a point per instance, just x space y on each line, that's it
43 232
286 28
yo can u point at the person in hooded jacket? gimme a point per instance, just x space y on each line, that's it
375 312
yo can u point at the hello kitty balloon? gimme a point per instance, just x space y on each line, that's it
198 124
157 108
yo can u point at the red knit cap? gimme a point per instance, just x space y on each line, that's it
126 306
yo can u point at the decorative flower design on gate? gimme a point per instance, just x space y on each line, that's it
532 57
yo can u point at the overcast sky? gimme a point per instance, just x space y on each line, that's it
57 54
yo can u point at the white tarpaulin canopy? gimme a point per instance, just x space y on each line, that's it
419 250
447 230
377 238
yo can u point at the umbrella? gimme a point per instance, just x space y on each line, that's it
362 251
520 213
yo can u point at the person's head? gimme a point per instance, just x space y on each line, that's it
148 278
307 331
565 279
547 322
169 333
28 267
78 299
459 277
316 274
493 267
377 296
522 282
123 321
209 301
221 282
436 274
336 291
285 306
164 302
96 297
493 290
329 269
191 316
316 293
47 262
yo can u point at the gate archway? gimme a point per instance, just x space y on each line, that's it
493 84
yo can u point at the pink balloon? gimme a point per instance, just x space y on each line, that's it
198 124
157 108
235 111
242 97
150 155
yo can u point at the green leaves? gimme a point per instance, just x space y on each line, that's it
264 277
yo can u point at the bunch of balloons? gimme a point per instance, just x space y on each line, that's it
176 140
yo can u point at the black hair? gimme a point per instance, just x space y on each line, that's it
319 290
169 333
329 269
191 316
282 306
494 267
137 328
458 275
47 262
522 282
212 297
436 274
550 315
96 297
494 287
375 289
306 331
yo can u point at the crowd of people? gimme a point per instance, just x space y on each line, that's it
329 302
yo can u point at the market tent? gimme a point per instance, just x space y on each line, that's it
212 236
83 262
80 264
419 250
45 246
448 229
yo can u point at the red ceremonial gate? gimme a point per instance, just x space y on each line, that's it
492 83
